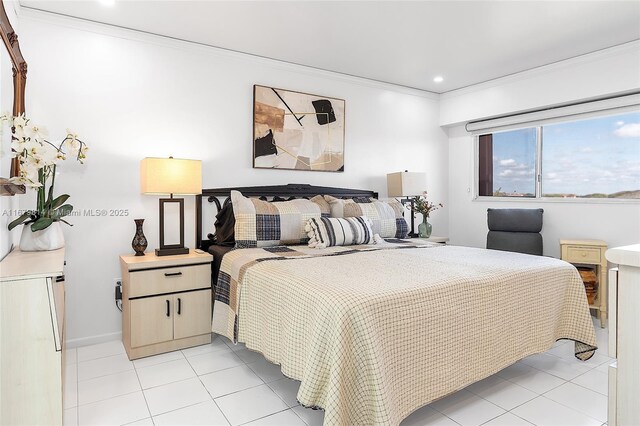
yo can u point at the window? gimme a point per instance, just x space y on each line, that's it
590 158
508 163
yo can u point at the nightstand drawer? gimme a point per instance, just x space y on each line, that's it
169 280
582 254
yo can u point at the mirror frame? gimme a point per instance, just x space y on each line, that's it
10 39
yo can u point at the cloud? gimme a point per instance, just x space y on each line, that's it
509 162
586 149
619 123
631 130
511 173
552 175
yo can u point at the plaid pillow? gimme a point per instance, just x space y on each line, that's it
386 216
327 232
265 224
325 209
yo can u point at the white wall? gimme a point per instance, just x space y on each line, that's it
132 96
599 74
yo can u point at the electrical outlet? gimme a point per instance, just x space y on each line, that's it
118 286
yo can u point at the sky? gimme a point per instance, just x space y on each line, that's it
514 161
598 155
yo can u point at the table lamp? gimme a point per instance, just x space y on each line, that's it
171 176
406 184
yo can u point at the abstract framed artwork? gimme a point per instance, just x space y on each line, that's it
297 131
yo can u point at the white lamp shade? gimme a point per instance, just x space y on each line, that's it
406 184
170 176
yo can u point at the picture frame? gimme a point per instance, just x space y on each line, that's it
297 131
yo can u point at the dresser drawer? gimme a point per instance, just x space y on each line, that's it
168 280
576 254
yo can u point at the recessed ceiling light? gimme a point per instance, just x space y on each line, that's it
107 2
438 79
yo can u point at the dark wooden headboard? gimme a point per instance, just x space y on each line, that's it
274 192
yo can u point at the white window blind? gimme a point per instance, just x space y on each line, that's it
584 110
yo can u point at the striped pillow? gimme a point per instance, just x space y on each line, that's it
327 232
386 217
267 224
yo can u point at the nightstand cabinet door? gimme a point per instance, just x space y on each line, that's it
192 314
151 320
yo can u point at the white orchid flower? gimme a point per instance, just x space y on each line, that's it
20 121
34 148
18 132
18 145
72 147
36 132
70 134
36 162
28 176
37 156
49 154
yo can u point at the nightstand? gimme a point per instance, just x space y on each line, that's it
166 302
434 239
590 253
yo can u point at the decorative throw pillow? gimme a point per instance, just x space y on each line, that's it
402 228
337 205
325 209
266 224
339 231
225 224
386 217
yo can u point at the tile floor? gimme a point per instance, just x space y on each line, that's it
223 384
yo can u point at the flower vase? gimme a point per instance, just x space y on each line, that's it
49 238
424 229
139 242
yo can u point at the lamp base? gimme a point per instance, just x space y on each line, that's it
172 251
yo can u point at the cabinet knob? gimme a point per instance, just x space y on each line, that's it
172 274
168 309
584 254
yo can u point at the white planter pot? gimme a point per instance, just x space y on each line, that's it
50 238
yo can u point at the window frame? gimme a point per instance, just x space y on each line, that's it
538 164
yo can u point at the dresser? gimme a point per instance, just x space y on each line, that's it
590 253
31 337
166 302
624 336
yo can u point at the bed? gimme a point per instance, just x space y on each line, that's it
374 332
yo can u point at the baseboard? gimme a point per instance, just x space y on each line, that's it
86 341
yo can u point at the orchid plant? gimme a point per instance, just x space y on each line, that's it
38 162
424 206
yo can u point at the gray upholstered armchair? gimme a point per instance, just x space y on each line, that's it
515 230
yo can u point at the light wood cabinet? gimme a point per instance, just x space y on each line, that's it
148 325
166 302
193 314
590 253
31 338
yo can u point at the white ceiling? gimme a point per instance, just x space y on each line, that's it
404 43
